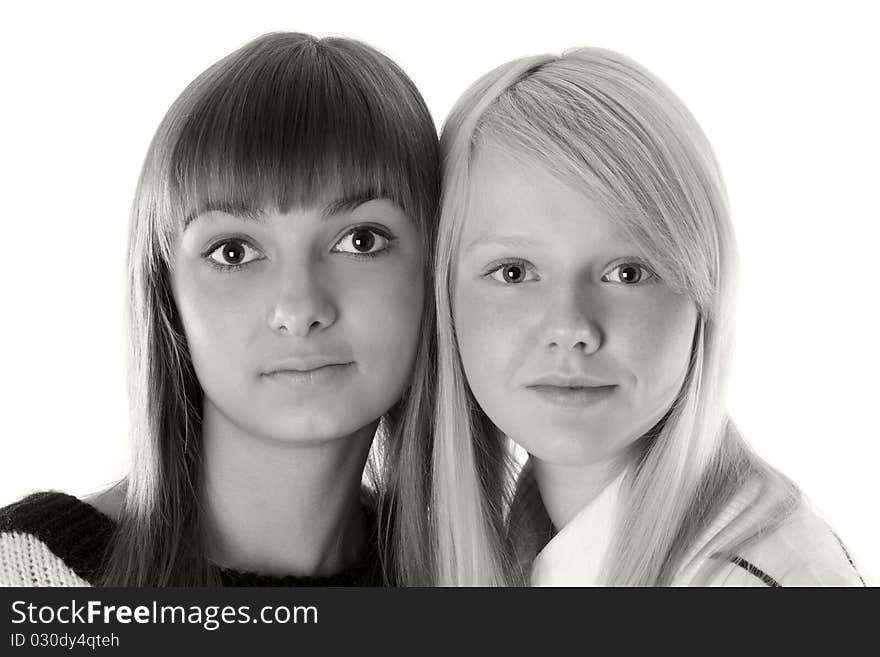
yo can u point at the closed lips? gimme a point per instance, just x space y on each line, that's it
305 364
299 375
571 396
568 381
556 387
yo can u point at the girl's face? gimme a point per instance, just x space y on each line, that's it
573 347
301 326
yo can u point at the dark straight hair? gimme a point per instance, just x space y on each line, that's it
279 124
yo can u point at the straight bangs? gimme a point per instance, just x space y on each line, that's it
594 126
290 124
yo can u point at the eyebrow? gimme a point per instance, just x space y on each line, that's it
334 208
348 204
238 211
500 240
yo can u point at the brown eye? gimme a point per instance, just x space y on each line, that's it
233 253
363 240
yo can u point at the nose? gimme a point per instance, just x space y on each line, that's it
302 306
571 323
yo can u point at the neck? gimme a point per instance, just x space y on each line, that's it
566 489
281 508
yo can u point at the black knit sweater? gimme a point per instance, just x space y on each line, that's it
54 539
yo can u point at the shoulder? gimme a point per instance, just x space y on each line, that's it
51 539
33 513
802 550
805 551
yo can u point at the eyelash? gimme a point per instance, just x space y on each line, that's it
227 268
649 277
500 264
376 230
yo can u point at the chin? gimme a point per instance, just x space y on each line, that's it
564 447
311 430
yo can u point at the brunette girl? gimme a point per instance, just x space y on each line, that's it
279 320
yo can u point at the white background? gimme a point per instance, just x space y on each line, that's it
785 92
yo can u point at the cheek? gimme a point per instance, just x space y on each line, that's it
658 338
218 319
490 332
384 310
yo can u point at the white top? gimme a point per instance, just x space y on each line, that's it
803 551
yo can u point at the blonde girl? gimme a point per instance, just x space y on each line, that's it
585 283
279 320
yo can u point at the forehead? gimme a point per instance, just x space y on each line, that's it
517 197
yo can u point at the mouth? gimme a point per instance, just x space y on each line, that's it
572 396
310 376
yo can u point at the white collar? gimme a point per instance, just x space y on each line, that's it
575 555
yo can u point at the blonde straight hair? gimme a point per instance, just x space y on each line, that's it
607 127
277 123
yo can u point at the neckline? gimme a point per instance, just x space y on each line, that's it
575 554
81 534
